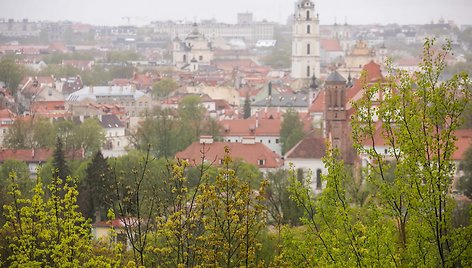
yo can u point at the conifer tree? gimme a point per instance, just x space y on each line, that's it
61 169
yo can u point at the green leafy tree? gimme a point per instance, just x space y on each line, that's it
408 219
235 218
19 135
216 222
164 87
27 133
160 131
11 73
89 136
25 183
136 204
191 113
65 130
291 130
43 133
47 230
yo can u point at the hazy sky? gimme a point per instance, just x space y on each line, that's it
142 11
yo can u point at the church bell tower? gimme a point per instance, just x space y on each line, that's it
305 41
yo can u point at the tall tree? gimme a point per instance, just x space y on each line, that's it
191 113
247 106
22 175
291 130
61 169
89 136
43 133
11 73
408 221
97 189
47 230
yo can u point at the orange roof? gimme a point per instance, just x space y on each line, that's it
330 45
7 114
373 74
214 152
34 155
251 127
311 147
230 64
318 105
464 140
44 106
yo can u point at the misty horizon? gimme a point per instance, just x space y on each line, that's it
142 12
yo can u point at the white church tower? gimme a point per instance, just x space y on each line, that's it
305 41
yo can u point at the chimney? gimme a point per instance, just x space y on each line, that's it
33 153
257 122
91 89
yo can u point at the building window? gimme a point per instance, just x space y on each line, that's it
184 58
308 15
200 58
308 49
308 29
277 141
318 179
261 162
308 71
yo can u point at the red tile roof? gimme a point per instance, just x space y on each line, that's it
251 127
330 45
214 152
311 147
230 64
7 114
34 155
318 105
373 74
464 141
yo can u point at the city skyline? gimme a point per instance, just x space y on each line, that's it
140 12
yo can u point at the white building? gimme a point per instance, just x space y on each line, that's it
306 41
116 140
133 101
193 51
307 155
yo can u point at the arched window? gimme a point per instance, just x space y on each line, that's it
308 49
318 179
184 58
308 71
308 15
308 29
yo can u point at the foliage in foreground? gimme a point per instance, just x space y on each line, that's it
47 230
407 219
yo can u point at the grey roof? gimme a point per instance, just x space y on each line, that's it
111 121
284 100
335 77
110 91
